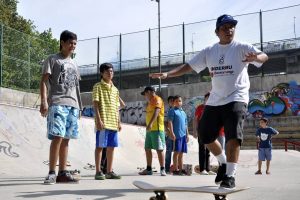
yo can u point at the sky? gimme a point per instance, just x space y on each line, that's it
93 18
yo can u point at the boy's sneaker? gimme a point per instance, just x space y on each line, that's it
112 175
146 172
258 172
50 179
99 176
228 183
204 172
66 177
184 173
163 172
220 174
211 173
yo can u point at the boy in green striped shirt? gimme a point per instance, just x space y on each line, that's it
106 105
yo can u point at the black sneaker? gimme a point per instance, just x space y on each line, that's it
228 183
220 174
66 177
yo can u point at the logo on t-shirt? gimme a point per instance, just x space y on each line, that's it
221 60
68 76
264 136
222 70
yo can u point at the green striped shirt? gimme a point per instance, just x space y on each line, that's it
107 96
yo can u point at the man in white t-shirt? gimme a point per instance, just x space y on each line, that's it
227 62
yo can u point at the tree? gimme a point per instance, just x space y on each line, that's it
23 48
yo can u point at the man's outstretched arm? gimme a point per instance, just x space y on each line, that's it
178 71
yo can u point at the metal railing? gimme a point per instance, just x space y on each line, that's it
21 54
139 50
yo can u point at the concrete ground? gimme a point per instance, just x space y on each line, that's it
24 152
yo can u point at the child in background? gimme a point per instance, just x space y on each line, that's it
264 136
106 105
177 123
169 141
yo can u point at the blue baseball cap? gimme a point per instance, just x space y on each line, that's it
225 19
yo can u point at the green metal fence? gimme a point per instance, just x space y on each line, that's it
139 50
21 56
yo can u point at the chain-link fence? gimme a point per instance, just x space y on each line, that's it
132 53
21 56
272 31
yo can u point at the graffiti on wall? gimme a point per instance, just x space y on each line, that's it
282 100
6 148
190 105
134 113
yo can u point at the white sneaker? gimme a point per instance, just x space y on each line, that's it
211 173
163 172
204 172
50 179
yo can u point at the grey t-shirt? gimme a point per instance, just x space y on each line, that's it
63 85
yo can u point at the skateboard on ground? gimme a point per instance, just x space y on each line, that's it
75 173
142 168
89 166
213 168
46 162
160 192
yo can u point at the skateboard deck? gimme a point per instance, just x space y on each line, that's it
213 168
219 193
142 168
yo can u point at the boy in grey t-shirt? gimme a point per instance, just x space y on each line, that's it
61 103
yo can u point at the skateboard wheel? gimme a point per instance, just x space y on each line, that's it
160 196
220 197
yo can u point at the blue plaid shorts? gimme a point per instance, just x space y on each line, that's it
62 121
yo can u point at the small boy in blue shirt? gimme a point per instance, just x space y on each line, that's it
169 141
177 123
264 136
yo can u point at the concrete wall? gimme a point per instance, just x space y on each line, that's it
197 89
132 95
19 98
268 82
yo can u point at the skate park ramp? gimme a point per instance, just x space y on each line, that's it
24 151
23 142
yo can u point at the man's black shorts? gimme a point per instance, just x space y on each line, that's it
230 115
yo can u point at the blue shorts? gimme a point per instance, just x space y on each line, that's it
264 154
181 145
62 121
106 138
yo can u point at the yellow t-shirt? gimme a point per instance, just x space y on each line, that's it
107 96
155 102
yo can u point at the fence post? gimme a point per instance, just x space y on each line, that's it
261 39
183 49
98 59
149 59
1 54
120 62
29 66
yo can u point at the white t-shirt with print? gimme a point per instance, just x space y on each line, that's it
230 80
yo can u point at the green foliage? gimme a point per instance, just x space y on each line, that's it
205 78
22 49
